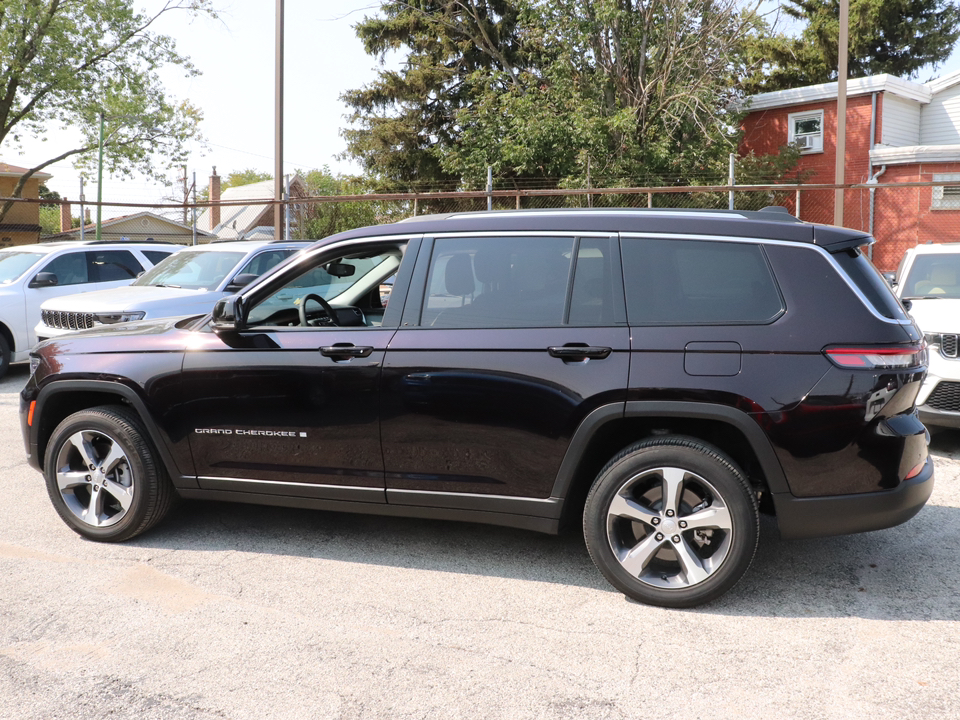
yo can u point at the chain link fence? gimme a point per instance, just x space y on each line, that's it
899 216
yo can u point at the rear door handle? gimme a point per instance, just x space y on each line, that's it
345 350
578 352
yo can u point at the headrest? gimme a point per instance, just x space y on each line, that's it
458 275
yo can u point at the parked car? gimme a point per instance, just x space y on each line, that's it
660 376
31 274
186 284
928 280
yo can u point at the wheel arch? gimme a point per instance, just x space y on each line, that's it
7 334
610 428
63 398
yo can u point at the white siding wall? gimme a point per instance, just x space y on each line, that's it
940 120
901 121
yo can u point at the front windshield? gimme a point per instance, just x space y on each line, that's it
192 269
933 276
14 263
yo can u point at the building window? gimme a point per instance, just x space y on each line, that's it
946 197
806 129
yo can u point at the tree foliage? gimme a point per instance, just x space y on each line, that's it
899 37
631 91
63 62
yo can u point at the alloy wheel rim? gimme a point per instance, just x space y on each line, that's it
94 478
669 528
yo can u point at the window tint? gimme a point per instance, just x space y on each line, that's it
259 264
691 282
70 268
871 283
497 282
156 256
111 265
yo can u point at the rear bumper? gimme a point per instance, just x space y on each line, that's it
847 514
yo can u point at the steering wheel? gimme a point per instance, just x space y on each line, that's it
302 308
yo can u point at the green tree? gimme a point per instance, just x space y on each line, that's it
63 62
317 220
545 91
899 37
400 118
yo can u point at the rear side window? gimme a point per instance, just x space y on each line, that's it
112 265
156 256
695 282
871 283
264 261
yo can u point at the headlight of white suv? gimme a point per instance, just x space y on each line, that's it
112 318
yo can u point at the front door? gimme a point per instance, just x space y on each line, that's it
485 384
290 404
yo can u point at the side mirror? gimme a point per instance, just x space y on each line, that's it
241 281
891 278
44 279
227 314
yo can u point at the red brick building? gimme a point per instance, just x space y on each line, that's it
897 131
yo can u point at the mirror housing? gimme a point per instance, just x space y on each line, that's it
241 281
227 314
44 279
891 278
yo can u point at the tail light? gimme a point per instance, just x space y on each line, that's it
878 358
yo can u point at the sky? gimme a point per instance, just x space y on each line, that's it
235 54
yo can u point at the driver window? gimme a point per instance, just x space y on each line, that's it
342 292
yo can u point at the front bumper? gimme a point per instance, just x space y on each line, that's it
847 514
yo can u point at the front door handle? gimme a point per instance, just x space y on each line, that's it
576 353
345 350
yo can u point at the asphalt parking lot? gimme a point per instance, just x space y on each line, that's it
232 611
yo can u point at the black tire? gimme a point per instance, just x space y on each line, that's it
680 553
111 501
5 354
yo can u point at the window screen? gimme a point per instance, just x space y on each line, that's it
692 282
497 282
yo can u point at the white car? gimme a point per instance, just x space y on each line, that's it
32 274
189 283
928 280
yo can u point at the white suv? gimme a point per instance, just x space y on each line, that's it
186 284
31 274
929 278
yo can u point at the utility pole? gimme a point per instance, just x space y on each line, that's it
841 111
100 180
278 127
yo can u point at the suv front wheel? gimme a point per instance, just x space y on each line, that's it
671 521
104 477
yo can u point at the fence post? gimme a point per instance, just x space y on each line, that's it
518 199
649 200
489 187
194 207
732 180
798 203
286 211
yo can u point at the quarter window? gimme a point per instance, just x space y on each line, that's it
806 129
693 282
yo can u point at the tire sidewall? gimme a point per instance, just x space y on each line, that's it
119 429
6 355
700 459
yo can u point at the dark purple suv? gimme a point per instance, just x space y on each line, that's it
662 375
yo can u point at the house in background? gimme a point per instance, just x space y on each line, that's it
138 227
21 226
897 131
251 218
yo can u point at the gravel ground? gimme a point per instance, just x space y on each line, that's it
233 611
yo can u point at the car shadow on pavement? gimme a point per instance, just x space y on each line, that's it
907 572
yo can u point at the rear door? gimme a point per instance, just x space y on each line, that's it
508 344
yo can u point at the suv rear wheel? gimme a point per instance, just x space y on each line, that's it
671 521
104 477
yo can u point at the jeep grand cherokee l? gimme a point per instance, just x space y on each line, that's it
659 376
